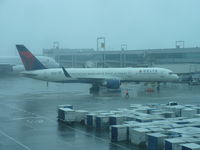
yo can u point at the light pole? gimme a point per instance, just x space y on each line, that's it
101 44
56 45
179 44
123 56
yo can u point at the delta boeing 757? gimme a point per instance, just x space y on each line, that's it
108 77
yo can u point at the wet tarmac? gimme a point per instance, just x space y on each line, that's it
28 113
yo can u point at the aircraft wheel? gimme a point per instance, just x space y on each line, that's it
94 90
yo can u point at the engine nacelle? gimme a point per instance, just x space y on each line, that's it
113 84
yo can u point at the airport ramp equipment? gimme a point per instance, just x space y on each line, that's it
81 115
66 115
138 135
118 133
173 143
190 146
116 119
90 120
101 122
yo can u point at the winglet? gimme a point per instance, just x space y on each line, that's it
29 60
66 73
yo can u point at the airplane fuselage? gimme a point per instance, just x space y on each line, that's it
89 75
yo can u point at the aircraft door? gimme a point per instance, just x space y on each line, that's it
162 75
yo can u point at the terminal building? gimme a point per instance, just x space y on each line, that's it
184 59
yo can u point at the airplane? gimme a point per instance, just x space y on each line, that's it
12 64
110 78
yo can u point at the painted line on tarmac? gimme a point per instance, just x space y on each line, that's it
25 118
38 116
14 140
77 130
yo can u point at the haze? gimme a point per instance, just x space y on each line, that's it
141 24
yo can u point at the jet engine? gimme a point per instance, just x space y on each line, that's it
113 84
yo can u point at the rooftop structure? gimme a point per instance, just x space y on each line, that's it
123 58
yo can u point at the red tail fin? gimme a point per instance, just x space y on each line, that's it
29 60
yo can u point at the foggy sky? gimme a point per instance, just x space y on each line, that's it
141 24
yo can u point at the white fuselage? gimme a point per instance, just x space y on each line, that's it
15 63
91 75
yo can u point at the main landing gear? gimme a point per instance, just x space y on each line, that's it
94 90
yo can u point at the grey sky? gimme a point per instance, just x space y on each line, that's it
141 24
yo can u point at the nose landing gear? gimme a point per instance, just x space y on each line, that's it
158 87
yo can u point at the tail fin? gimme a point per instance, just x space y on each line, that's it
29 60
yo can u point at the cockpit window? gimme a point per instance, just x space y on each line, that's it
170 73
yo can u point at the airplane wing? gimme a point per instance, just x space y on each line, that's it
93 79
